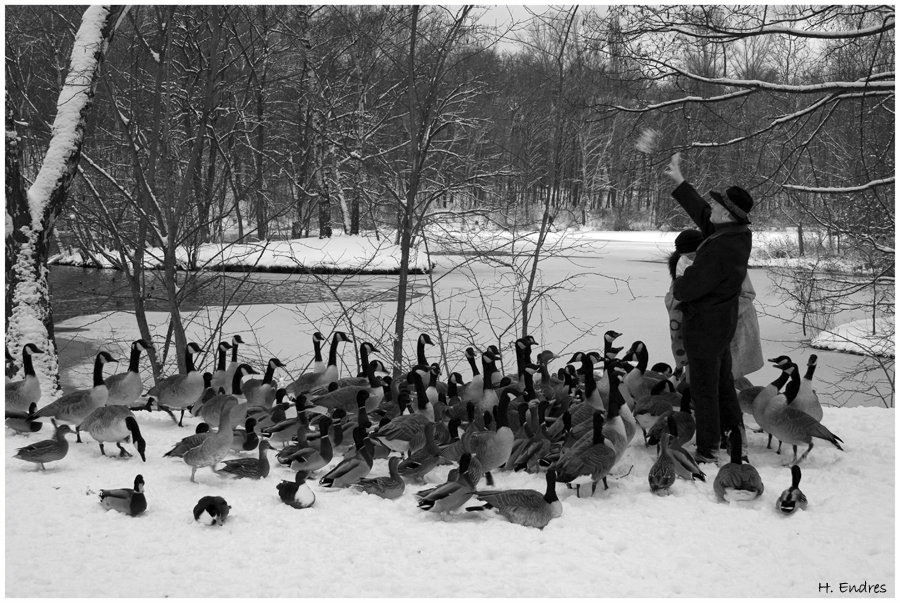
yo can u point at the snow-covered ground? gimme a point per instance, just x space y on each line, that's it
624 542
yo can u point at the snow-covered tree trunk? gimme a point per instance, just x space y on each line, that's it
31 214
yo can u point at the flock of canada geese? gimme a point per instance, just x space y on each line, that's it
575 425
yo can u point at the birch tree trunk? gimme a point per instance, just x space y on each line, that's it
31 215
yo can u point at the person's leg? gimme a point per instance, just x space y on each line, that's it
730 415
704 397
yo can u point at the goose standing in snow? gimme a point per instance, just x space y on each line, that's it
21 394
527 508
75 407
807 399
737 481
492 448
211 510
233 365
214 447
767 393
262 393
129 501
792 498
311 381
794 426
218 378
593 461
180 391
211 410
115 424
46 451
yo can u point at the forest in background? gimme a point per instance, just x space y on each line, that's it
290 121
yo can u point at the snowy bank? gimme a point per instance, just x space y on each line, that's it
345 254
856 338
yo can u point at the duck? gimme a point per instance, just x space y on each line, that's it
266 418
297 493
794 426
212 511
349 471
180 391
218 378
115 424
125 388
662 473
640 380
452 494
405 433
18 421
245 440
192 441
46 451
214 447
250 468
419 463
21 394
212 409
310 381
233 365
807 399
75 407
686 466
284 430
390 487
525 507
792 498
737 481
594 461
492 448
310 458
262 393
129 501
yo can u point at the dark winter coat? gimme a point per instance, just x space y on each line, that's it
710 288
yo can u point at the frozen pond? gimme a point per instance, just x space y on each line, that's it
619 285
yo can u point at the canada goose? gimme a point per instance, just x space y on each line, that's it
319 364
422 365
218 378
212 409
527 508
640 380
767 393
267 417
180 391
807 399
522 347
650 408
552 387
21 394
208 394
297 494
211 510
346 397
18 421
594 461
419 463
310 381
522 435
591 392
114 424
390 487
214 447
245 440
487 399
792 498
234 364
492 448
262 393
662 473
687 426
250 468
405 433
311 458
285 430
130 501
450 495
794 426
620 426
74 407
46 451
349 471
737 481
192 441
537 445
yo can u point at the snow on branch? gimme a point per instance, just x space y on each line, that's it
876 82
729 35
840 190
74 99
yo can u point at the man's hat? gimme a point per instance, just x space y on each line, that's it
737 201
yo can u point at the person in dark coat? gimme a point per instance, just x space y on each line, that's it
709 291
